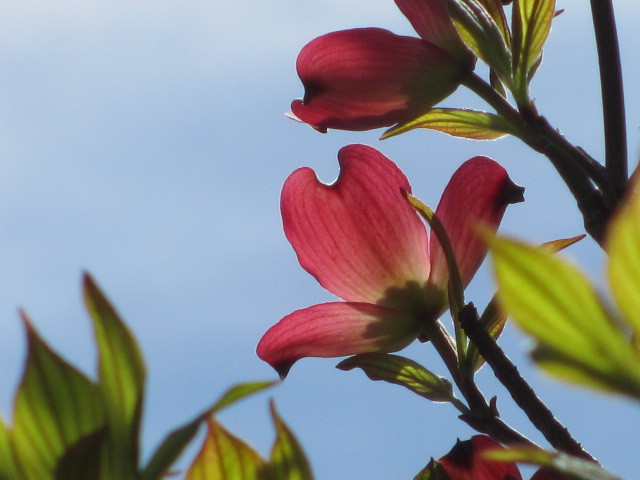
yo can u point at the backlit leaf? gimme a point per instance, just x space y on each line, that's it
573 467
531 25
623 246
288 461
479 31
554 246
496 10
174 443
8 466
224 456
55 406
238 392
121 377
458 123
494 318
552 301
401 371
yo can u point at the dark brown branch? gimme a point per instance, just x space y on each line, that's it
483 416
587 180
524 396
615 130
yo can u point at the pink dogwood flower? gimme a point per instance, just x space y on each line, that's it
362 241
465 461
368 78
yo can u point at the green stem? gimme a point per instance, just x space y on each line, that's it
615 130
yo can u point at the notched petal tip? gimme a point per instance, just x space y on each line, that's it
513 193
478 193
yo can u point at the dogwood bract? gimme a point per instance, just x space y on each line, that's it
362 241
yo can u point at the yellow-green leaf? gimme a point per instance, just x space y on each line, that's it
224 456
238 392
458 123
623 246
8 466
572 467
177 440
401 371
553 301
479 31
288 461
494 318
554 246
121 378
531 26
56 405
496 10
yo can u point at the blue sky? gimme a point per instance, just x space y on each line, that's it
146 142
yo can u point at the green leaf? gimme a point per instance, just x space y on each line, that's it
175 443
121 378
240 391
495 9
401 371
496 83
572 467
55 406
8 466
531 26
458 123
555 246
288 461
635 342
494 318
224 456
553 301
479 31
623 246
170 449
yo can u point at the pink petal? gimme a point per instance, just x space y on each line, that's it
358 237
335 330
369 78
432 22
478 193
465 462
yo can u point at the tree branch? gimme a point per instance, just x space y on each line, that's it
615 130
521 392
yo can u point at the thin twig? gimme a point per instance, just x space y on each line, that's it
615 130
483 417
524 396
